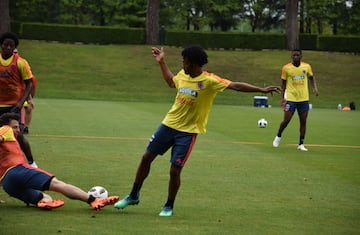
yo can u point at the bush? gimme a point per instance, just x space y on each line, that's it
339 43
215 40
84 34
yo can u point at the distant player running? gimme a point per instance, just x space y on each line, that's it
196 91
295 95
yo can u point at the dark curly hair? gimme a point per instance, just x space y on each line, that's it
195 54
9 35
7 117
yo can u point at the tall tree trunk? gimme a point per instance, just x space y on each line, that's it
152 22
302 9
4 16
292 33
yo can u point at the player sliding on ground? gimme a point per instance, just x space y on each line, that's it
196 90
27 183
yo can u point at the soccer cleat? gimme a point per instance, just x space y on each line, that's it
276 141
50 205
110 200
302 147
98 203
166 211
126 201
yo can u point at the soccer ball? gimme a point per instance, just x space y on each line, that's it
99 192
262 123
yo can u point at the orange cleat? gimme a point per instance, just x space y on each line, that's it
98 204
51 205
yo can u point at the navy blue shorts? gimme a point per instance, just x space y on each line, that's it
299 106
166 137
26 183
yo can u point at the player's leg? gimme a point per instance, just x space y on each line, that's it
303 111
141 174
25 147
159 143
28 114
68 190
174 185
76 193
184 143
289 110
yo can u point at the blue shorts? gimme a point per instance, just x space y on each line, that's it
299 106
26 183
166 137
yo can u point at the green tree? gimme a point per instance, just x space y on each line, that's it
224 14
264 15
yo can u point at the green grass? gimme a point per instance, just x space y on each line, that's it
235 182
88 130
129 73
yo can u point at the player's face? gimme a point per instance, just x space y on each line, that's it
15 126
296 57
7 48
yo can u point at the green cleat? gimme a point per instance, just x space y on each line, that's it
166 211
126 201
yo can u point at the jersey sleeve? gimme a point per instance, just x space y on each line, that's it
219 83
7 133
24 69
283 72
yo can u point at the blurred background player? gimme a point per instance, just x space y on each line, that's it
15 84
295 95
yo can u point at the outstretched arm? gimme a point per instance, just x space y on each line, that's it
246 87
159 56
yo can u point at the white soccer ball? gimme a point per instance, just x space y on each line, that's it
99 192
262 123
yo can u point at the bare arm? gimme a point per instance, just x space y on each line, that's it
28 88
283 87
159 56
314 86
246 87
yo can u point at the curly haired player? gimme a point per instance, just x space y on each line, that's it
196 91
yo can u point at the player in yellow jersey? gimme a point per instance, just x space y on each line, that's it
196 90
295 95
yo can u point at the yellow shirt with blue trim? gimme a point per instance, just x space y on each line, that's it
296 81
193 101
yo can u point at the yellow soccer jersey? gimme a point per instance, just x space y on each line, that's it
193 101
297 89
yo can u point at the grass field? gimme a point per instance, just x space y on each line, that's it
235 182
129 73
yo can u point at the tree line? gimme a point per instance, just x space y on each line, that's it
315 16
